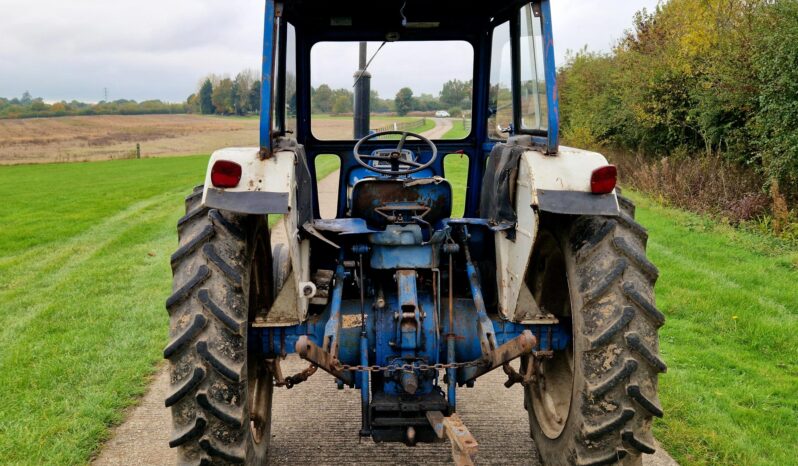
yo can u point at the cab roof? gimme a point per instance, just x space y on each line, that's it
353 17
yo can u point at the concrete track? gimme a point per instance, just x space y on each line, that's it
442 126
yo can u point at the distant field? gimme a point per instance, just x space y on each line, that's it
326 127
74 139
93 138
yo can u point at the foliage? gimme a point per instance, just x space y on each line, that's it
342 104
322 98
227 96
775 60
379 105
404 101
206 98
456 93
223 97
242 87
30 107
712 77
254 97
455 112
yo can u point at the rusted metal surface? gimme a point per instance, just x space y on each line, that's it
464 445
513 349
513 377
309 351
322 279
291 380
343 226
372 199
310 229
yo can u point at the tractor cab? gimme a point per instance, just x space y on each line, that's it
463 239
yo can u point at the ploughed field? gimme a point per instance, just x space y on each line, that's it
84 271
87 138
91 138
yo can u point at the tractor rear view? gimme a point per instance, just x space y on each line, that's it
545 276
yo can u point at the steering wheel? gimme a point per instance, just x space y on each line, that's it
395 157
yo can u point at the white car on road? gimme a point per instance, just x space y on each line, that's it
442 114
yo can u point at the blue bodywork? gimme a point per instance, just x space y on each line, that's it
397 250
282 340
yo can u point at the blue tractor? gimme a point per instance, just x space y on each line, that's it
543 276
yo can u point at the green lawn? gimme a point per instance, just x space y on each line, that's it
84 271
731 340
455 167
460 130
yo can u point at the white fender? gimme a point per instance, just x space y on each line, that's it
558 184
268 186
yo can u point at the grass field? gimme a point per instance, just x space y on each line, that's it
84 271
731 341
460 130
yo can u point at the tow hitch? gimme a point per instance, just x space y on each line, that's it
464 445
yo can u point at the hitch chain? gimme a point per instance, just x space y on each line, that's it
292 380
411 367
296 379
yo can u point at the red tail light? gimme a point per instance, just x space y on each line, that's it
604 179
225 174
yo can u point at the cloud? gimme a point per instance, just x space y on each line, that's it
144 49
599 24
137 48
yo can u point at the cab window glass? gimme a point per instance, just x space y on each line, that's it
327 177
424 87
534 108
290 79
501 95
455 166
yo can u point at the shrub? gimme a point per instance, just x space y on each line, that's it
455 112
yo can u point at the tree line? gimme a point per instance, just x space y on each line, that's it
28 106
221 95
695 78
454 96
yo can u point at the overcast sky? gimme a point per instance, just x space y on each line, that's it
159 49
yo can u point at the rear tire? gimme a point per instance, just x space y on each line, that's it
601 411
221 393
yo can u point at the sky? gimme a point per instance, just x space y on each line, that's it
156 49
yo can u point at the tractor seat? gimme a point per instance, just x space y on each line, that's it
386 201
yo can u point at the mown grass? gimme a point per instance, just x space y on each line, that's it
84 271
455 168
731 340
460 130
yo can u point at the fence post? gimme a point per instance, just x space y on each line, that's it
138 150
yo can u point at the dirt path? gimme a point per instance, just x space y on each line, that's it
315 423
442 126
